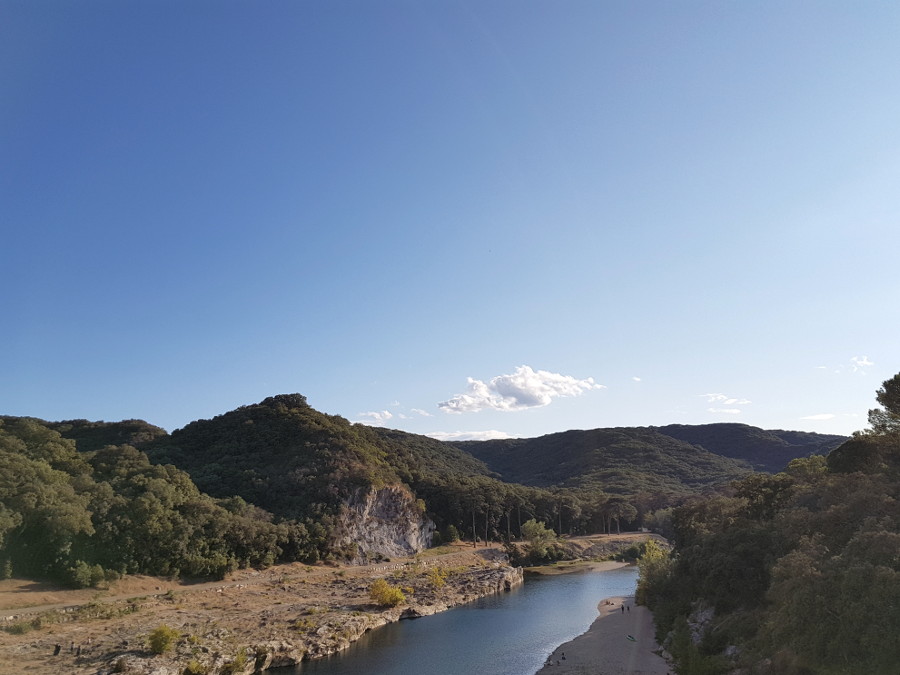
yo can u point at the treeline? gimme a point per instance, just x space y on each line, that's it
87 517
793 573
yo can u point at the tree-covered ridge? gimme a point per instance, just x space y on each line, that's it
765 450
89 436
83 517
281 455
624 461
299 463
801 570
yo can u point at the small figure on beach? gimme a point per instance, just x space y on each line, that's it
56 649
622 608
563 656
628 607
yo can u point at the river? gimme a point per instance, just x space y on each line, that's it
508 634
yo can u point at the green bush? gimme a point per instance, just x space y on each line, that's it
382 593
194 667
162 639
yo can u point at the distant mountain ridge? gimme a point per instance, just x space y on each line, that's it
765 450
626 460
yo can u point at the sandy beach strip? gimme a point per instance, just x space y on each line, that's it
607 648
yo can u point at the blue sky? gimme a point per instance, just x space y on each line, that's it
462 218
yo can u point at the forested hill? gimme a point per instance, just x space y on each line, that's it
627 460
623 461
285 456
90 436
765 450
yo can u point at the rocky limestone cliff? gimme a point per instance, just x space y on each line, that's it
382 523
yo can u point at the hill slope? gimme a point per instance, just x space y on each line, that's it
769 451
675 459
621 460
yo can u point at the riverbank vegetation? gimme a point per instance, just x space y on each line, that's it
792 573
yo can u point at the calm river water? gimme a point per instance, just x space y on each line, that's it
509 634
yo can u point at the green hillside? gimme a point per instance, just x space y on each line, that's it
764 450
84 517
622 461
670 460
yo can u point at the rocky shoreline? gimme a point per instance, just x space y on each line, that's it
254 622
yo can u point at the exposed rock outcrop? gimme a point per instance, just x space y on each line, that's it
382 523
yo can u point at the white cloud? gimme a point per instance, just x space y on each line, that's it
419 411
860 362
727 411
636 379
725 400
819 417
469 435
375 419
525 388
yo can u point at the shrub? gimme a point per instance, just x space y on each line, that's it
382 593
162 639
237 665
82 575
437 576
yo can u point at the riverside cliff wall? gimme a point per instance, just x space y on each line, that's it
382 523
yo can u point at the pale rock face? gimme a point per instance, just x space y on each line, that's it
384 522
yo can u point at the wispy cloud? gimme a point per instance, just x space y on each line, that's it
469 435
856 364
859 363
376 418
723 404
525 388
419 411
636 379
725 400
820 417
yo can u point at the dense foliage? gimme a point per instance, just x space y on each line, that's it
623 461
668 462
82 501
799 572
83 518
765 450
298 463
